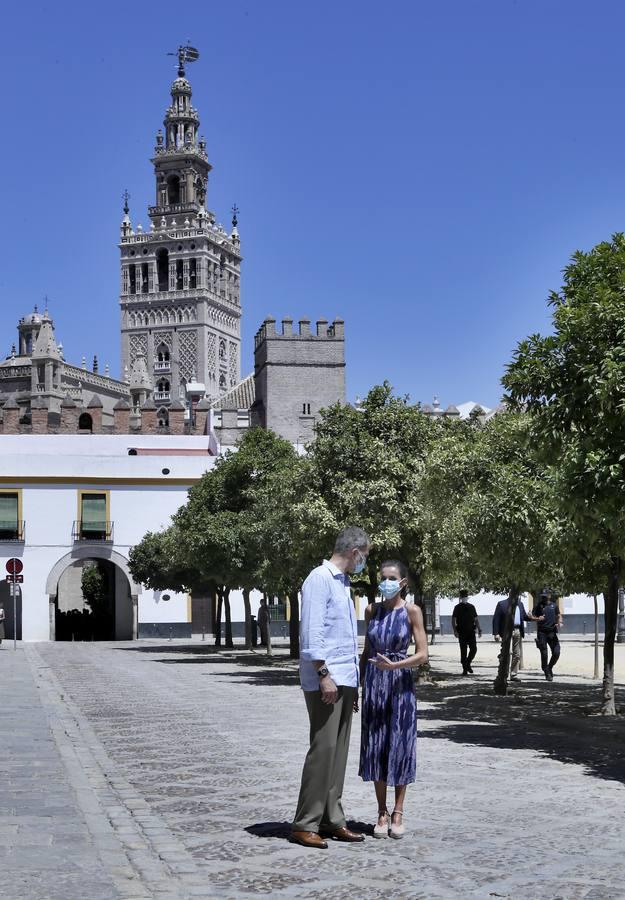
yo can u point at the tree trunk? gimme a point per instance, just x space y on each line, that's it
500 685
610 603
294 625
248 619
229 641
596 672
220 604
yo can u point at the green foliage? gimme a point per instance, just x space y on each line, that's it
93 587
573 385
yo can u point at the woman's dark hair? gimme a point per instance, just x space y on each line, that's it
399 565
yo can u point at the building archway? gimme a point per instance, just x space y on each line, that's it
113 617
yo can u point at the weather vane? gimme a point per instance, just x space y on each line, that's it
186 54
126 198
235 213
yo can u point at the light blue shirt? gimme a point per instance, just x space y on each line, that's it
328 628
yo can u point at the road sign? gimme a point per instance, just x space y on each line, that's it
15 579
14 566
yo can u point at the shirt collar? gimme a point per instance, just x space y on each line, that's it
334 569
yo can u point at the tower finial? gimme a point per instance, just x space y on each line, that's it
126 198
185 55
235 213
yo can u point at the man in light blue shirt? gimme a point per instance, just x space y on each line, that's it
329 678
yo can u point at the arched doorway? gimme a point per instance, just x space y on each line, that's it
6 602
92 597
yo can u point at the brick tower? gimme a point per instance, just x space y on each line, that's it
297 373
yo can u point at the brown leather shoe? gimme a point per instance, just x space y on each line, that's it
308 839
343 834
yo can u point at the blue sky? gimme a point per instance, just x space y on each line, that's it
422 169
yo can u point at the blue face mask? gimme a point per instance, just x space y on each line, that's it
389 588
359 567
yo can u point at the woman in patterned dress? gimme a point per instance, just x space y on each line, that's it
388 745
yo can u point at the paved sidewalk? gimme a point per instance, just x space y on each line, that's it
178 768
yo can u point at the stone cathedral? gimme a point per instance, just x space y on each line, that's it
180 327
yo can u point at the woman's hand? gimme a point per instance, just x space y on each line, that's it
383 662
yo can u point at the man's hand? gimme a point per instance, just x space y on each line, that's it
496 637
329 691
455 633
479 634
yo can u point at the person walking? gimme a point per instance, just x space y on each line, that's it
465 622
329 678
549 618
518 631
388 745
263 621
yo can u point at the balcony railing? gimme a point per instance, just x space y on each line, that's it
13 531
163 366
92 531
162 395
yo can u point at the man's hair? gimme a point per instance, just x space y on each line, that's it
463 592
351 537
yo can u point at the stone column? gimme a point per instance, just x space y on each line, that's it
69 416
11 416
39 416
148 417
121 417
176 417
95 411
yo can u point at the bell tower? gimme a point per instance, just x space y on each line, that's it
180 280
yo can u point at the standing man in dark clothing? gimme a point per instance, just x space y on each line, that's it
549 620
465 622
518 631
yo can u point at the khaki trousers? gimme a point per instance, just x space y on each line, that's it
319 803
516 652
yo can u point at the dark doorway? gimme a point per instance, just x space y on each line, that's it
6 601
93 603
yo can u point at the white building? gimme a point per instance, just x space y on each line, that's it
65 499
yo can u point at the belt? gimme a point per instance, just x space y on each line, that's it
393 655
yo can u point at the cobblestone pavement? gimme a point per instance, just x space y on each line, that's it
171 771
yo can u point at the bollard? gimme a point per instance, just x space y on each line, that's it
203 633
584 626
171 631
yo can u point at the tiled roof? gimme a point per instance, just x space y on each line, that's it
241 396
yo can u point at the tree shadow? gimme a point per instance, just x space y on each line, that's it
556 720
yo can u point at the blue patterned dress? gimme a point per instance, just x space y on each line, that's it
388 743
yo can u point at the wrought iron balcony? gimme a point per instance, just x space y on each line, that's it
92 531
13 531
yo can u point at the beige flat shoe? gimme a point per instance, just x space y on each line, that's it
397 829
381 831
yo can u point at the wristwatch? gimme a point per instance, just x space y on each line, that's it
323 671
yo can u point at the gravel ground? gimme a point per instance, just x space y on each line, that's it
168 770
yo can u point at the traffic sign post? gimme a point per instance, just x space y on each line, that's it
14 567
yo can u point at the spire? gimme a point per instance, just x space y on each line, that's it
126 227
45 344
180 162
234 236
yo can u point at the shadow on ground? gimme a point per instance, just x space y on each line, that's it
558 721
282 830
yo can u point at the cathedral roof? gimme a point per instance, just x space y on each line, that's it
241 396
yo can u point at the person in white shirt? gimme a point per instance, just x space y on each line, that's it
329 678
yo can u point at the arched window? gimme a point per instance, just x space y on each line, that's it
162 417
222 382
85 422
222 349
162 265
163 353
179 274
162 386
173 189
